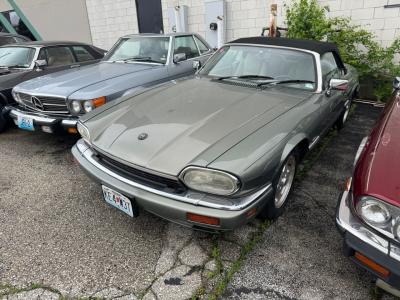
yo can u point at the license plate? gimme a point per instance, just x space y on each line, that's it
117 200
25 123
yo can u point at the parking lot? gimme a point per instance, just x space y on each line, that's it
58 238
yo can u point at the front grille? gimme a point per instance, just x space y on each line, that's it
53 105
142 177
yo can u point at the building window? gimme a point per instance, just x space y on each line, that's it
17 23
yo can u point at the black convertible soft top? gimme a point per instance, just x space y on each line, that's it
316 46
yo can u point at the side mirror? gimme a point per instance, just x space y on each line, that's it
196 65
179 57
338 84
40 64
396 83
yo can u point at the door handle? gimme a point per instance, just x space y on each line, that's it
74 66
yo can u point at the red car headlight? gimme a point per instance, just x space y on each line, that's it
380 215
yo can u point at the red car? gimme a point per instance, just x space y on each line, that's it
368 212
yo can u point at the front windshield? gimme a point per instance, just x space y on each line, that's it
16 57
144 49
267 64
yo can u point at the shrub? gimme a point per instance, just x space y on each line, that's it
306 19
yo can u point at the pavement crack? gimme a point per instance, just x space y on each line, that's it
266 292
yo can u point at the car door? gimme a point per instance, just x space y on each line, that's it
185 44
332 100
58 58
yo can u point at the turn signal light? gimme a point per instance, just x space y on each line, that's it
99 101
72 130
371 264
202 219
347 185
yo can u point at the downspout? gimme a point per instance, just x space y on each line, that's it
25 19
7 24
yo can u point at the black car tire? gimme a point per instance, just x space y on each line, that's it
343 117
273 209
3 120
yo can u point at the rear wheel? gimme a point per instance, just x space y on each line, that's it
344 116
282 187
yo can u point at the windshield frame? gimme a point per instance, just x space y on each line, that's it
106 58
32 65
315 55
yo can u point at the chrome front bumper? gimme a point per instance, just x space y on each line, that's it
358 237
231 212
42 120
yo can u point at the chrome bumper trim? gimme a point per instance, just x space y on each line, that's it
348 222
194 198
15 113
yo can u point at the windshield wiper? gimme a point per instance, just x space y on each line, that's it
244 77
141 58
13 66
16 66
285 81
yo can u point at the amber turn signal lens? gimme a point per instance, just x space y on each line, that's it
371 264
347 185
251 212
72 130
202 219
99 101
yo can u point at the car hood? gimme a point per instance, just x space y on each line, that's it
66 82
192 122
10 78
377 171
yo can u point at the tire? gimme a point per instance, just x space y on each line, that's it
276 205
3 120
343 117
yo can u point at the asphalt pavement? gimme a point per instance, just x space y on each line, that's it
60 240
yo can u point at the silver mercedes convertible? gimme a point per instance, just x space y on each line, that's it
215 150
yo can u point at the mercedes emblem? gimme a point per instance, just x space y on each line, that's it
142 136
37 103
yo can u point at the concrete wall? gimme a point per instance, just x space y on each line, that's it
371 15
56 19
104 21
247 17
110 19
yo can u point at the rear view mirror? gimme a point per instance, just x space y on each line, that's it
196 64
40 63
179 57
396 83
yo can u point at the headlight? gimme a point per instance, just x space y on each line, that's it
84 132
76 107
396 228
210 181
88 106
16 96
373 211
380 215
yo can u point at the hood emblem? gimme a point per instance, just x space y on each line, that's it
37 103
142 136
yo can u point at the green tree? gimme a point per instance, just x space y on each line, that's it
306 19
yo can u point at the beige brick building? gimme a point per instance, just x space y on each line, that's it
103 21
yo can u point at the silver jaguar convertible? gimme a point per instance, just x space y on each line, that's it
215 150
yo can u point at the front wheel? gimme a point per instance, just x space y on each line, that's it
282 186
3 121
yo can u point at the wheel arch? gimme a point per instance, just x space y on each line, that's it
299 141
